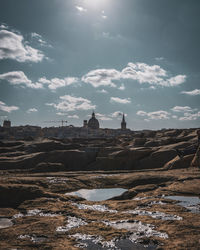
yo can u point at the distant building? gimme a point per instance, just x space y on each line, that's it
123 123
85 124
93 122
7 124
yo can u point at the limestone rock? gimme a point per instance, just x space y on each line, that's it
177 163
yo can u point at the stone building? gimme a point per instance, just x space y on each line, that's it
6 124
93 123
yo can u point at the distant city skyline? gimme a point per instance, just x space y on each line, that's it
64 59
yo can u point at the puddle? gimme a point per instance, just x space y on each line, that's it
35 212
189 202
72 222
137 228
33 238
98 194
57 180
100 208
92 242
156 215
5 222
148 197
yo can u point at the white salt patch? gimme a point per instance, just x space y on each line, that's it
72 222
100 208
34 239
57 180
19 215
103 176
156 203
137 229
35 212
155 215
95 240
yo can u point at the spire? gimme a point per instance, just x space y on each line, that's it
123 123
93 114
123 118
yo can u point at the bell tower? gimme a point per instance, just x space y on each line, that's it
123 123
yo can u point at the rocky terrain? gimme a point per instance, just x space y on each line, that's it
159 208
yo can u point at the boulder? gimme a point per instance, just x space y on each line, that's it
14 195
177 162
157 159
132 154
121 160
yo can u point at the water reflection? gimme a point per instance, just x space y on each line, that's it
5 222
189 202
98 194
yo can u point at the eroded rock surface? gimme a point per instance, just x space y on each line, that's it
36 213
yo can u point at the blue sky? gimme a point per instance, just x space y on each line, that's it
62 59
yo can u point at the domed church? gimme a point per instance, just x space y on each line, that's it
93 122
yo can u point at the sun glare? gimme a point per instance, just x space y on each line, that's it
96 3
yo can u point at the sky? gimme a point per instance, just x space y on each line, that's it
64 59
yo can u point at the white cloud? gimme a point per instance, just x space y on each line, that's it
72 103
142 113
3 26
152 87
192 93
104 17
182 109
120 100
40 39
81 9
189 114
144 73
19 78
173 81
73 116
101 77
122 87
58 113
103 91
156 115
55 83
6 108
103 117
190 117
116 114
13 46
140 72
159 58
31 110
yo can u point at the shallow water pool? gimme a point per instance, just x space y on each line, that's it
5 222
189 202
98 194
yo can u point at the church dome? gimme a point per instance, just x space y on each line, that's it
93 122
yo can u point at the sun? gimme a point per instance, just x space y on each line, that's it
96 4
